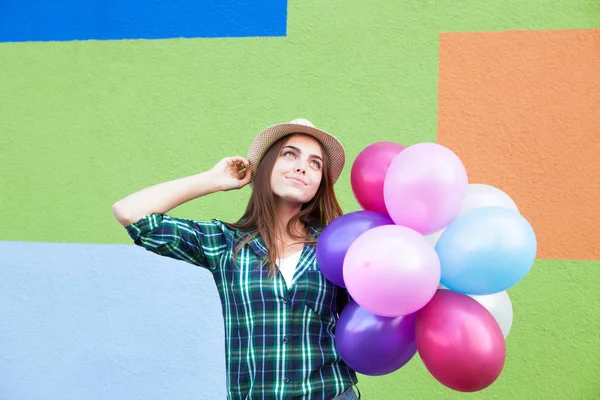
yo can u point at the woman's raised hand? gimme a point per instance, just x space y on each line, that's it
232 172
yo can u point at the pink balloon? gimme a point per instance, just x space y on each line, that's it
460 342
368 174
425 187
391 270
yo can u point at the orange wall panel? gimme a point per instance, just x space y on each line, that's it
522 110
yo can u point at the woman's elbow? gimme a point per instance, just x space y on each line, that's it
121 214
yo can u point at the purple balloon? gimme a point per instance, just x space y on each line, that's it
337 237
375 345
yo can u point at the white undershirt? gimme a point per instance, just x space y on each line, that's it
287 266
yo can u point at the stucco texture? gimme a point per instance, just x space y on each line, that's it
521 109
511 86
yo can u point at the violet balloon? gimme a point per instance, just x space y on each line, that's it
374 345
368 174
425 187
460 342
336 238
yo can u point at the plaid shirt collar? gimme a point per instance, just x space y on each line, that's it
258 246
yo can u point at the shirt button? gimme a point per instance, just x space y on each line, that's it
285 300
285 340
286 379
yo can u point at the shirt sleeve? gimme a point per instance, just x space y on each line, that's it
198 243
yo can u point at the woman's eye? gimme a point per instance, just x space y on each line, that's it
316 164
289 153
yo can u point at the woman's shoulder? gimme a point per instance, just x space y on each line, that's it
233 230
223 226
207 226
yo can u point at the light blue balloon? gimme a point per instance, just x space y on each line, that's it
486 250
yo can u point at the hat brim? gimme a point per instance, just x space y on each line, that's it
266 138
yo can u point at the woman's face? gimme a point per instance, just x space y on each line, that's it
298 170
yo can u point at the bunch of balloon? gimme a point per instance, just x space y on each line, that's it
427 262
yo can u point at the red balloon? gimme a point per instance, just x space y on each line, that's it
460 342
368 174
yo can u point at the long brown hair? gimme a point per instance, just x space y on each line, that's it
259 218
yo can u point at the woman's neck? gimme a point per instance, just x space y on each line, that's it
285 237
287 243
284 212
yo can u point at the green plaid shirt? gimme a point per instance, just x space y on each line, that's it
279 342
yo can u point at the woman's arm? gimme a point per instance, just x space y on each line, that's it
229 173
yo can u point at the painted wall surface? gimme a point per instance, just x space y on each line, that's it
64 20
511 86
89 321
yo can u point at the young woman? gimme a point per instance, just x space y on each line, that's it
279 311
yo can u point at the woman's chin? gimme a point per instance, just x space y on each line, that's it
293 197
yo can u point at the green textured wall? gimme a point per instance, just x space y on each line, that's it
84 123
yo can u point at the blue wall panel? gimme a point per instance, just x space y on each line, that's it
65 20
98 322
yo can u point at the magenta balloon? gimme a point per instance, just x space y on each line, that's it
368 174
337 237
460 342
425 187
391 270
374 345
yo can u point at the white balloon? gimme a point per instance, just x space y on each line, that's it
482 195
434 237
499 305
479 195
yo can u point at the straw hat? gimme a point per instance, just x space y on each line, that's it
264 140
